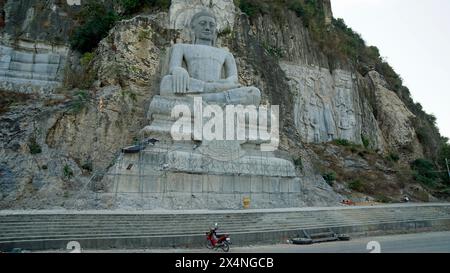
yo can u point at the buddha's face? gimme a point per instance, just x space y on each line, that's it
205 29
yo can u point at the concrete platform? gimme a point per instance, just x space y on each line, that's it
43 230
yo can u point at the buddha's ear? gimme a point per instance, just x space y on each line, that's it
216 36
192 36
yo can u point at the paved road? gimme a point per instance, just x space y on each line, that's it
410 243
436 242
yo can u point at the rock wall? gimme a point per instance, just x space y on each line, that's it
395 120
30 72
326 106
127 72
319 100
316 92
38 21
181 12
34 36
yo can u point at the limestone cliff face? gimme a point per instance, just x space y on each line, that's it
127 72
327 99
48 22
320 100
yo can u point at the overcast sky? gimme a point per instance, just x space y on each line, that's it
414 37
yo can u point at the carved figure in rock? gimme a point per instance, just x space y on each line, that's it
202 69
320 90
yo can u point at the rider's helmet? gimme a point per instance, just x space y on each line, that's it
215 227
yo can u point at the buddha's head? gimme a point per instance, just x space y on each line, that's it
204 28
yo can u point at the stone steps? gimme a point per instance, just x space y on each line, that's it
155 222
21 70
43 231
173 219
27 75
72 236
54 233
53 225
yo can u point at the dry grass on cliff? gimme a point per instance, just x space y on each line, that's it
11 99
357 172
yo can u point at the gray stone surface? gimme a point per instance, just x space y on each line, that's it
128 67
326 105
30 72
397 120
34 20
151 229
181 12
226 169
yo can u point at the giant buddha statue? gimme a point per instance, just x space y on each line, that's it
197 173
205 70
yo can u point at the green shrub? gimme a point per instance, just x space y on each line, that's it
79 102
365 141
143 35
356 185
383 199
308 10
34 147
425 172
87 58
249 7
298 162
444 153
67 172
329 177
132 6
393 157
128 93
227 31
96 21
273 51
342 142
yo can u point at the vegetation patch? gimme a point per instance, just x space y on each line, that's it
356 185
393 157
383 199
298 162
87 59
11 99
34 147
365 141
67 172
425 172
342 142
79 102
273 51
329 177
130 7
96 19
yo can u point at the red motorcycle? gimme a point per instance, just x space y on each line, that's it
215 240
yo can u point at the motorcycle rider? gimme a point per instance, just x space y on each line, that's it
215 238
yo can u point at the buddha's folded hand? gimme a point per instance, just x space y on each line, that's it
180 80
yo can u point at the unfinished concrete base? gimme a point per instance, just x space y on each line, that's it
185 179
28 71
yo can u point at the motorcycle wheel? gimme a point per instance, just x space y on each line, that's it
209 244
225 247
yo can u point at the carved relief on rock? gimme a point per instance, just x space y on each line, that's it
325 105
